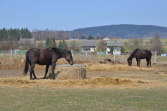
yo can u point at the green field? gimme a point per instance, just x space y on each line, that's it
134 99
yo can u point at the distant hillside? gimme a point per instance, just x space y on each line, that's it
125 31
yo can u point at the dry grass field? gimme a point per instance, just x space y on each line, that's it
108 86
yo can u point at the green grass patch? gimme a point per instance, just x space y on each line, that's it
83 99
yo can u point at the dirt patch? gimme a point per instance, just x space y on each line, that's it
109 61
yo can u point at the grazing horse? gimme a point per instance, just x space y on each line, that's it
46 57
140 54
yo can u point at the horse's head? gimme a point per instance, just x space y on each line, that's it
129 62
69 58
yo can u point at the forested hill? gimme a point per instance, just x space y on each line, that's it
125 31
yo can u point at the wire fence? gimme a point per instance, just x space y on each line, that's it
84 56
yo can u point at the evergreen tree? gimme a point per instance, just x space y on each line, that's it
14 34
4 34
122 50
52 43
47 42
64 45
1 35
90 37
111 50
60 45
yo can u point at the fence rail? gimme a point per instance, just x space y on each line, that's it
90 56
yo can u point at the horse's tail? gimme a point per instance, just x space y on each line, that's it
26 64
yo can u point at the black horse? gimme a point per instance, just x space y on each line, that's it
46 57
140 54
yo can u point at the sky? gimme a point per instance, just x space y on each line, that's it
73 14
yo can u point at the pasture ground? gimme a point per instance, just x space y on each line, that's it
107 87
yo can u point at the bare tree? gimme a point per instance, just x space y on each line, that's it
5 45
27 45
101 45
156 46
135 43
40 45
73 45
126 44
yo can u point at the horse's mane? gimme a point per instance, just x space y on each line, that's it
58 50
134 52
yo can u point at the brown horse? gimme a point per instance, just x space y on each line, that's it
46 57
140 54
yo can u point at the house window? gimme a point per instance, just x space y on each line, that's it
86 48
116 48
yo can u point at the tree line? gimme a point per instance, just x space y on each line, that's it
58 35
14 34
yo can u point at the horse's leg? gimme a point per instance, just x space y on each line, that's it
147 62
46 71
138 62
32 70
34 75
53 68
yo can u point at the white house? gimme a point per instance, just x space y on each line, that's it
106 38
116 47
89 46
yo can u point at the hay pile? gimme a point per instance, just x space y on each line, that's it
9 64
18 63
117 67
91 82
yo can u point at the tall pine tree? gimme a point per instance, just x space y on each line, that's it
52 43
60 45
64 45
47 42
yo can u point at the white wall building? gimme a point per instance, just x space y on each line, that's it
116 47
89 46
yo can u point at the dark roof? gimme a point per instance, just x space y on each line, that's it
114 43
89 43
25 40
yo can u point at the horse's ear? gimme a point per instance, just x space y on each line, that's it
69 52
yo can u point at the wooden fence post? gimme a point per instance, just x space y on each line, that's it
155 57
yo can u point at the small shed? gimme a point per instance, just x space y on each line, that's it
89 46
116 47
